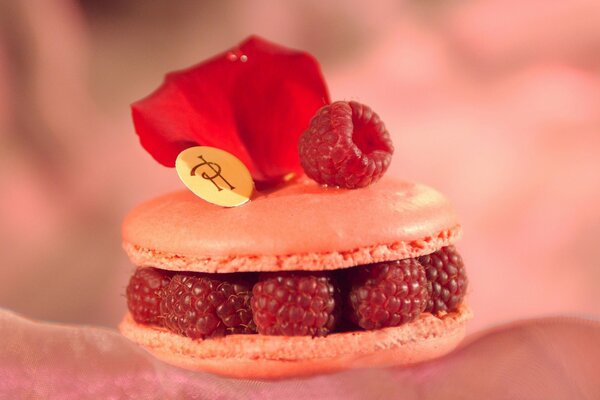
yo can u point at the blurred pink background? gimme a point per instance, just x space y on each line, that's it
496 104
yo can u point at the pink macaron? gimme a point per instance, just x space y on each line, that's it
299 227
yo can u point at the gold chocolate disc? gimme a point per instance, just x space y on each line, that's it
215 175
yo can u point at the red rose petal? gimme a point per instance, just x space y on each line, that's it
253 101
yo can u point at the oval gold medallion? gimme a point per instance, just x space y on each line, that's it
215 175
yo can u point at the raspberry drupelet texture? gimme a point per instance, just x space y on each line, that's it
295 304
345 145
207 305
386 294
446 272
143 294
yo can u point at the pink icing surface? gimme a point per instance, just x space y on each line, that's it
301 218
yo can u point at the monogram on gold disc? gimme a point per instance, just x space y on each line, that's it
215 175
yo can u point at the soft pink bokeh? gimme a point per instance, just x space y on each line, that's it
496 104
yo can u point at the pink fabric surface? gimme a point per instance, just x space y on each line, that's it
539 359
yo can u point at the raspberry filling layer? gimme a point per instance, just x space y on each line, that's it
373 296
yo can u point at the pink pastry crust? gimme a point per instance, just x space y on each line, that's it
300 227
272 357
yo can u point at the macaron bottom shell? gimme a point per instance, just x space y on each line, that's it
277 357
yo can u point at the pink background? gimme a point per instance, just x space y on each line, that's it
496 104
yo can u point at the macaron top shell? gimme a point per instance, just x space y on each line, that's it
300 226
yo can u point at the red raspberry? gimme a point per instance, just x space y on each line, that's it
143 294
295 304
345 145
446 272
386 294
205 305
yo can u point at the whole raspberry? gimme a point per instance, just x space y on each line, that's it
205 305
143 294
446 272
386 294
295 304
345 145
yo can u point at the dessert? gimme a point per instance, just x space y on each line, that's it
349 269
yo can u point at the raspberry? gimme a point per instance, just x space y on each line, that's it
345 145
386 294
446 272
295 304
205 305
143 294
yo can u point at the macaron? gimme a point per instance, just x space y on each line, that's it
300 229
